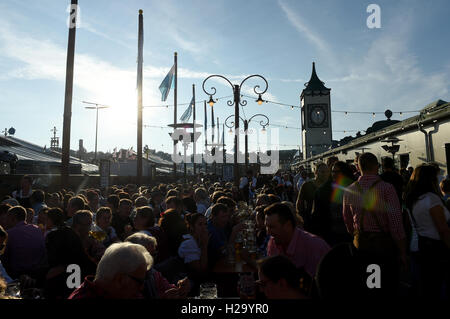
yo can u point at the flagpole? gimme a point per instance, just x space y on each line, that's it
139 106
206 137
175 112
223 149
212 137
67 117
218 137
194 147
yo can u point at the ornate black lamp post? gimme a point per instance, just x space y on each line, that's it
264 122
236 101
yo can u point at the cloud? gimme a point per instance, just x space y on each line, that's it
302 28
88 27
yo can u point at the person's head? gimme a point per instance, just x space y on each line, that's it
15 215
342 173
368 164
141 201
3 213
331 160
387 164
122 270
278 277
423 180
103 217
219 215
26 183
262 199
189 205
55 218
124 195
82 222
410 170
144 218
280 223
52 200
196 223
156 196
173 225
227 201
125 207
93 199
42 217
3 240
260 217
173 202
216 195
113 202
445 186
75 204
173 192
37 196
30 215
249 173
201 195
273 199
322 172
304 174
149 242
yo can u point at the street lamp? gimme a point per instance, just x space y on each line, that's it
96 107
392 148
236 101
263 123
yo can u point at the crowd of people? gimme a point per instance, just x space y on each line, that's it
316 235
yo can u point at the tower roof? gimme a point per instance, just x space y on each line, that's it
315 86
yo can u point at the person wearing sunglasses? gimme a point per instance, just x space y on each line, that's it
121 274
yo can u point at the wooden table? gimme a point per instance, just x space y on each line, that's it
226 276
224 267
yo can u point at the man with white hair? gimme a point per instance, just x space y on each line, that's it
156 285
120 274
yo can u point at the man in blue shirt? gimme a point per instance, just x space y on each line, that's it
217 245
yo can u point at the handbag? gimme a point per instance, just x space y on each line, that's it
414 242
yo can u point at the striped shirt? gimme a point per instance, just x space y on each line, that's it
382 201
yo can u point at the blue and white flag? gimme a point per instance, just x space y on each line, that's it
187 114
167 83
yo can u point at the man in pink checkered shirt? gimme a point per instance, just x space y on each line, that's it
381 214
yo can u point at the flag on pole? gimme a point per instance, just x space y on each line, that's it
167 83
187 114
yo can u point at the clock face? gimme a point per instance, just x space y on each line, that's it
318 116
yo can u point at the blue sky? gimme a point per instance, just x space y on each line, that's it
402 66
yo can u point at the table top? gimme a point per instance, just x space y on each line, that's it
223 266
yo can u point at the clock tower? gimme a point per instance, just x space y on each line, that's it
316 116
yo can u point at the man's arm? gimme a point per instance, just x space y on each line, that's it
347 213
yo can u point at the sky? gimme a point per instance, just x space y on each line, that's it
401 66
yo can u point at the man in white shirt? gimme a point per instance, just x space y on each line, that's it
247 186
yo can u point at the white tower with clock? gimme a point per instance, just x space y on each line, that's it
316 117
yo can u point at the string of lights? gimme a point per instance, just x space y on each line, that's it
275 125
336 111
181 104
292 106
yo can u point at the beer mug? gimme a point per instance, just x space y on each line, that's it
208 290
247 285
